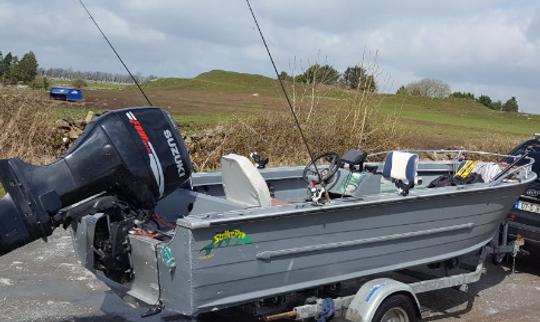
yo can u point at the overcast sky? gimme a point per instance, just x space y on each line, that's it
482 46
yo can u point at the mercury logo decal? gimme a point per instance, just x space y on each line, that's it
155 165
175 153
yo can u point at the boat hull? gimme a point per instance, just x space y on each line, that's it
262 256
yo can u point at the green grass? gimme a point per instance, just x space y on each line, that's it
73 112
463 113
168 83
236 80
202 120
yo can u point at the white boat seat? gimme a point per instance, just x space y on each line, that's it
242 182
401 168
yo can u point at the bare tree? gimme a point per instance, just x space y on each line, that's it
428 87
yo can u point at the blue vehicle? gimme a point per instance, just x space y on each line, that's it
69 94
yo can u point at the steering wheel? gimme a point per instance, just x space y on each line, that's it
326 172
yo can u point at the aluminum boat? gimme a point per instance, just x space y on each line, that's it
246 234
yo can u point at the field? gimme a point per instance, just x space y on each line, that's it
221 112
211 96
217 96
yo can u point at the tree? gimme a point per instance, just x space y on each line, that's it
484 100
13 72
71 74
301 78
511 105
284 76
428 87
401 90
356 77
27 68
324 74
497 106
466 95
5 66
79 83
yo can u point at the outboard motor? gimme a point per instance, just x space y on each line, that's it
136 155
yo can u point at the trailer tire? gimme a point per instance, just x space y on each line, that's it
398 307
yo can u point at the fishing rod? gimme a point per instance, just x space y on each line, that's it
115 52
284 90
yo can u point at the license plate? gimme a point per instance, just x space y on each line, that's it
527 206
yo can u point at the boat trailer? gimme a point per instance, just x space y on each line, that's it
368 303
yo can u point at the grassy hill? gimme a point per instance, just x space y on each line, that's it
450 118
216 80
219 95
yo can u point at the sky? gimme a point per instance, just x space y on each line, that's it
482 46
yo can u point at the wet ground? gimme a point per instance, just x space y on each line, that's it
43 282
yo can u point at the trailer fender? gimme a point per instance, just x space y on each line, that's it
372 294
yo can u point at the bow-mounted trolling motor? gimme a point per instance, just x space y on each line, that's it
135 156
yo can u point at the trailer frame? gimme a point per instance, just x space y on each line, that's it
362 306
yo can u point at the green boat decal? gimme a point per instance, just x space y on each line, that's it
167 257
225 239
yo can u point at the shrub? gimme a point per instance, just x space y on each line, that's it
463 95
40 82
324 74
79 83
28 130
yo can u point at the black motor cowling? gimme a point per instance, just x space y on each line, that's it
136 154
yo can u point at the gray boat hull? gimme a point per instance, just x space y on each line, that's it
304 250
233 256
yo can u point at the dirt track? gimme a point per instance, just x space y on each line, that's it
43 282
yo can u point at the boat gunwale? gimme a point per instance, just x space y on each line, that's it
254 214
237 216
527 167
459 151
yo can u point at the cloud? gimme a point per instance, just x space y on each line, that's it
485 46
533 32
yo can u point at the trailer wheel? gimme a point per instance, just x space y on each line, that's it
396 308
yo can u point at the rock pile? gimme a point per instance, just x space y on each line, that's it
70 130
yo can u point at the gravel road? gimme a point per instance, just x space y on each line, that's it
43 282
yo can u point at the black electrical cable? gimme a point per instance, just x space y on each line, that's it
116 53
